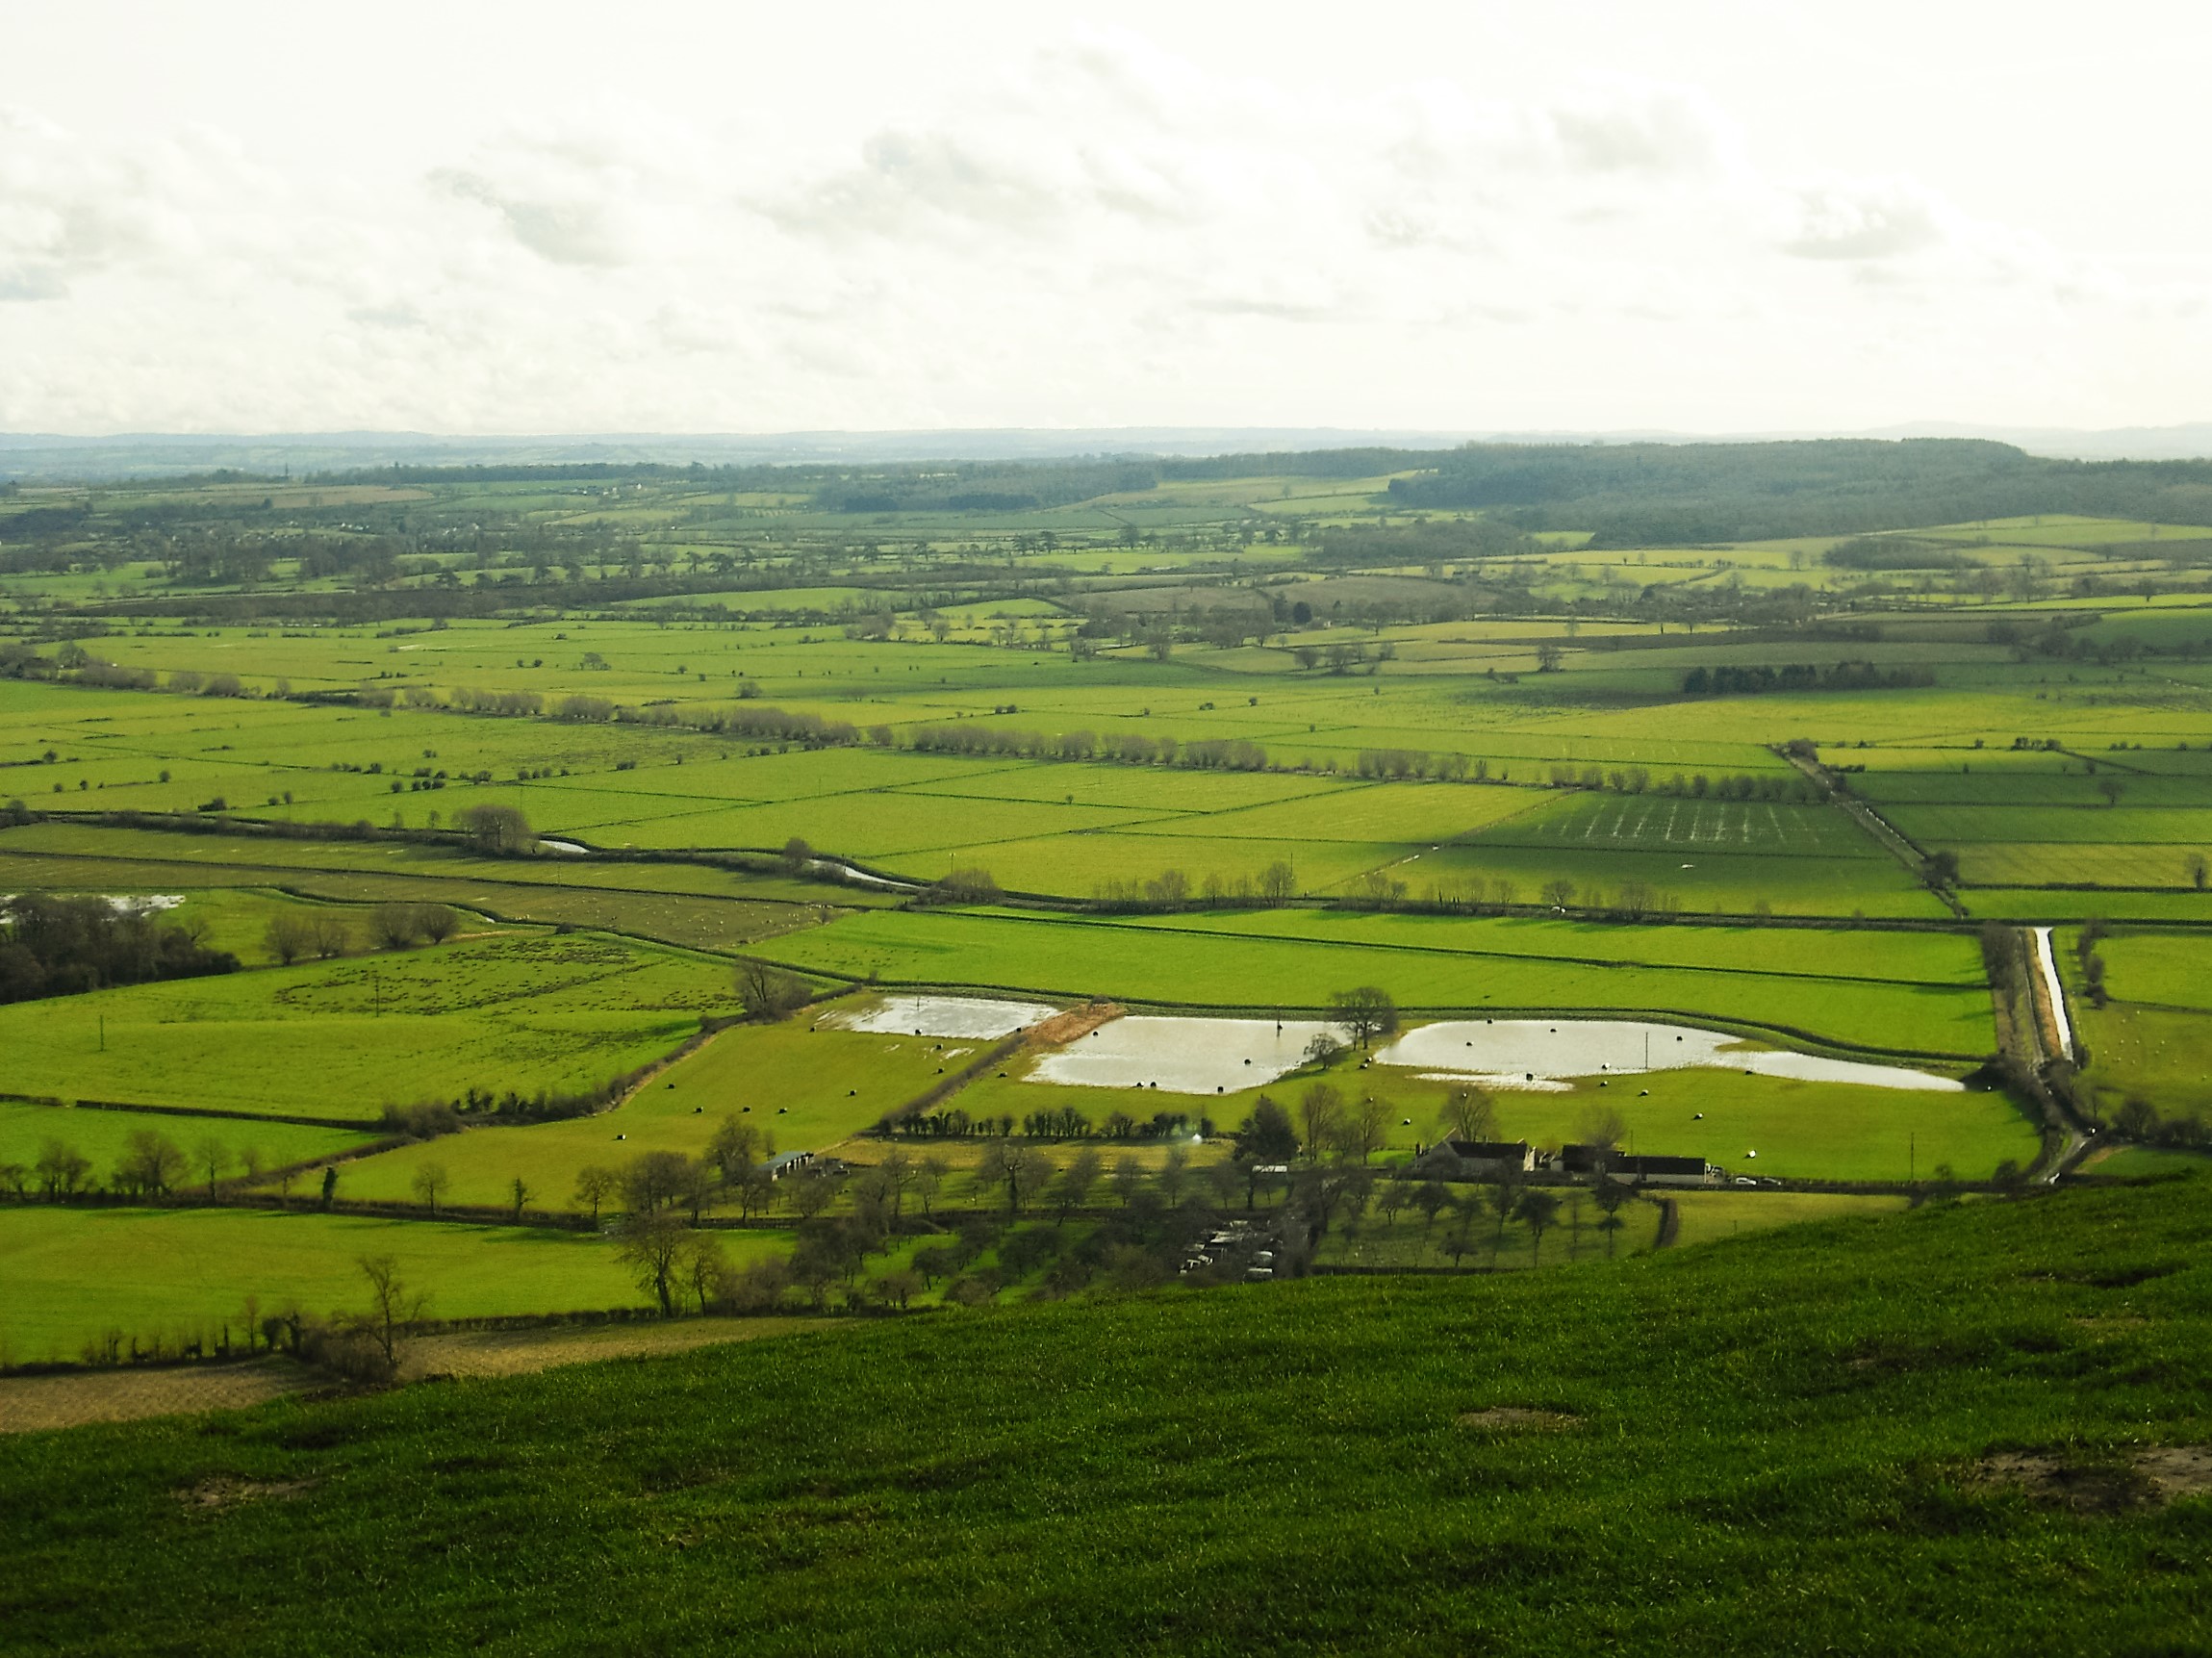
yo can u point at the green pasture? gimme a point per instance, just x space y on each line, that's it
341 1039
1902 958
1577 1234
101 1136
1799 1129
74 1274
807 1088
1072 957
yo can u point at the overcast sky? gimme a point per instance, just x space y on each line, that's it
480 217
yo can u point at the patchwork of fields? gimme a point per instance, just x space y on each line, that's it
1204 768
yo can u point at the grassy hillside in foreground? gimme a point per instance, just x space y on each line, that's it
1775 1445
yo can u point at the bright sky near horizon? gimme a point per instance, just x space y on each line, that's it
490 217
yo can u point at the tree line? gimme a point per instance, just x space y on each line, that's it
54 946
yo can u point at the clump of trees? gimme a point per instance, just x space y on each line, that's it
768 992
497 831
53 946
398 926
1729 680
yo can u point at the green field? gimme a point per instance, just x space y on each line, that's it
1236 969
1817 1409
75 1274
807 1088
1222 743
102 1137
342 1039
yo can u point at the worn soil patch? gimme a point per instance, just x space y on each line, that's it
29 1404
519 1352
2143 1479
1064 1028
223 1493
1517 1420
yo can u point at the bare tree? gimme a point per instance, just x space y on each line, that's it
502 832
766 993
650 1242
1076 1182
333 939
1319 1111
1469 1116
152 1165
393 925
211 1157
430 1182
595 1185
437 921
289 938
1539 1209
1362 1130
518 1190
391 1304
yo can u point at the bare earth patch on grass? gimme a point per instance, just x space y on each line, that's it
1518 1419
519 1352
29 1404
2145 1479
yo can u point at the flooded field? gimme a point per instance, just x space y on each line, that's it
940 1016
1181 1056
1541 1052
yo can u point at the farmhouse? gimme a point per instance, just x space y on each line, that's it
1478 1160
1643 1170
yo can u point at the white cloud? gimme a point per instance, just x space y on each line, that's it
1097 232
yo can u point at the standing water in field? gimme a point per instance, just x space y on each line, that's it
1182 1056
941 1016
1532 1053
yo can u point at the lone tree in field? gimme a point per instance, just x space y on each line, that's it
1020 1172
501 832
1469 1116
518 1190
1366 1013
430 1182
333 939
1539 1208
797 855
289 938
437 921
595 1185
211 1157
650 1242
394 924
392 1305
2200 871
151 1166
2111 788
768 992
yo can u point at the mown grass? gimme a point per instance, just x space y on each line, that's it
73 1274
102 1135
1801 1130
341 1039
1075 958
807 1088
1756 1447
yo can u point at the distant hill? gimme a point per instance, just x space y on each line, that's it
49 456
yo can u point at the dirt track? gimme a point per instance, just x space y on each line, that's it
29 1404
